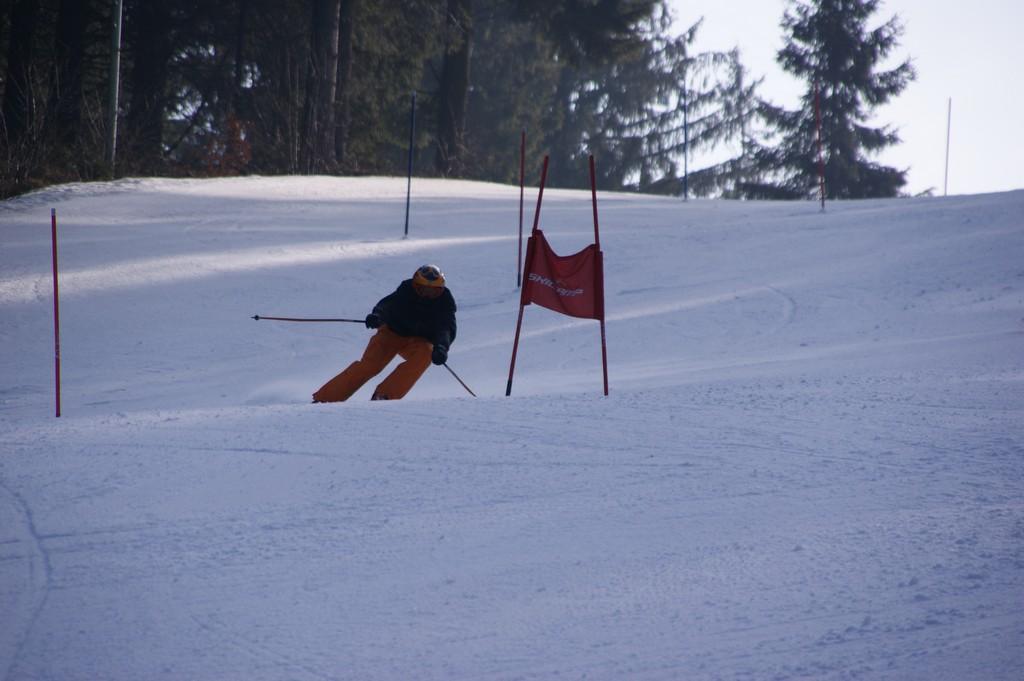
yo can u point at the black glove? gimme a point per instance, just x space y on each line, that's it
373 320
439 356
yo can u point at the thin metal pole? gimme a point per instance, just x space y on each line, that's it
949 120
686 146
459 380
821 154
56 309
306 319
115 84
412 138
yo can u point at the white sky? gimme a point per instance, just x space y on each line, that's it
971 52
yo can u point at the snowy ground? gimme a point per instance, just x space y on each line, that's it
810 466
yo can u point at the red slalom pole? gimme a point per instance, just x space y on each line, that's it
529 254
522 189
593 199
600 269
522 305
540 194
515 351
56 308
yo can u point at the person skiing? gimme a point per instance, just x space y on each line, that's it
416 322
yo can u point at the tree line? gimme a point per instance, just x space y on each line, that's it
325 87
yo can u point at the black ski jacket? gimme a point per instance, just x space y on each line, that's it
409 314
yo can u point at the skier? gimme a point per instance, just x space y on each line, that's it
417 322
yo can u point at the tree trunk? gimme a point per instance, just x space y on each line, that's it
239 57
150 44
66 90
19 109
346 58
454 89
321 81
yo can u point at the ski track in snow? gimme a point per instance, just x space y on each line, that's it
24 550
810 466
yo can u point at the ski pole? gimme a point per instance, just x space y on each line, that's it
459 380
301 319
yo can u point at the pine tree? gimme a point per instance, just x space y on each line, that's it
318 122
453 89
528 59
642 113
831 48
719 105
743 123
515 72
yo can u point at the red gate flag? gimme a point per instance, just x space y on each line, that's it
572 285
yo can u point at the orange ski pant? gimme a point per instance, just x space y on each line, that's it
381 349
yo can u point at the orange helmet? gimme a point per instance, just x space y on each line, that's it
429 276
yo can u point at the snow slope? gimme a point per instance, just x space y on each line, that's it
810 465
